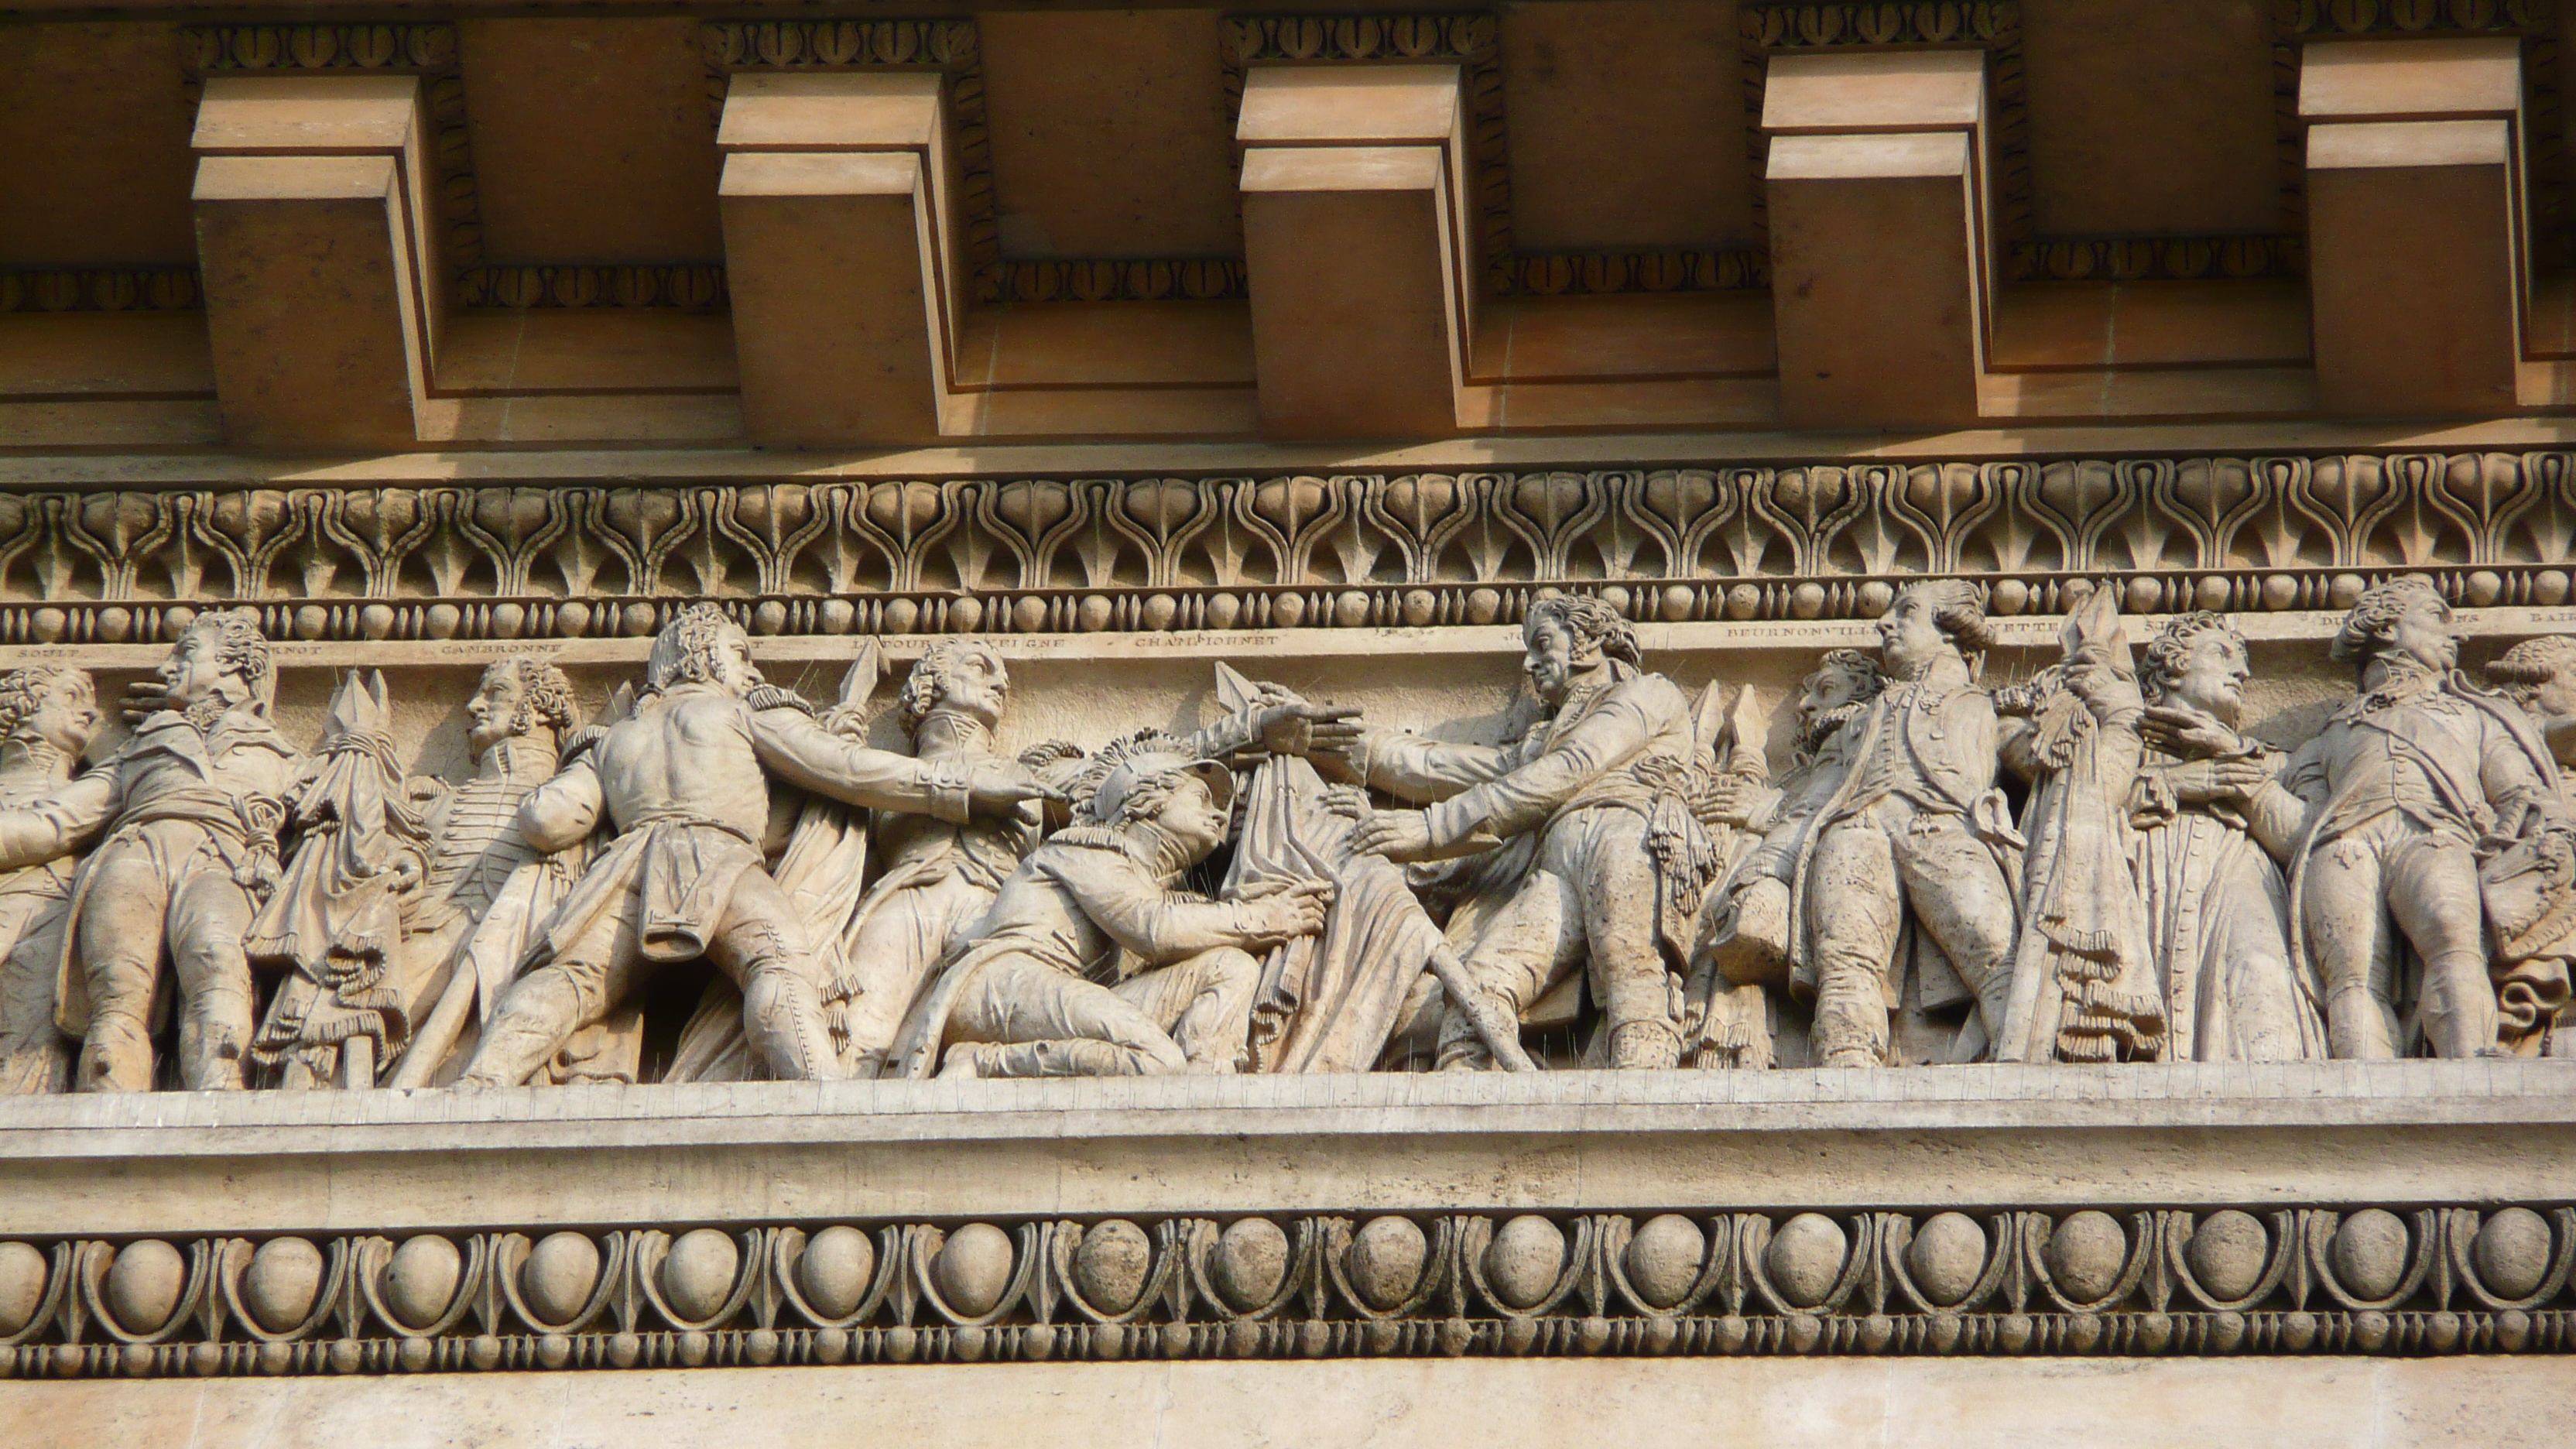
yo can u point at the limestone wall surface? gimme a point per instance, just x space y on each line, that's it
1754 1404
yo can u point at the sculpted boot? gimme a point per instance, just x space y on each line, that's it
1644 1046
782 1014
117 1056
536 1016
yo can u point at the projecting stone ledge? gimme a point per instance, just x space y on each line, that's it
1993 1136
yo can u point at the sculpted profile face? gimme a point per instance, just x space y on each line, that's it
494 707
1548 659
1191 817
55 706
2424 633
2541 673
2199 661
220 659
1841 683
66 714
1909 637
1567 638
517 697
957 677
702 646
976 686
2403 618
2556 695
1926 622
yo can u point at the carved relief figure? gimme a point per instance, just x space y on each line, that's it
1618 863
2531 886
684 781
487 887
1914 835
2217 908
190 807
2540 675
47 719
1098 903
2380 820
2084 981
334 924
1743 939
390 875
938 876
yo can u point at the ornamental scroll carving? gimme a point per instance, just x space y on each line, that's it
1043 555
2347 1280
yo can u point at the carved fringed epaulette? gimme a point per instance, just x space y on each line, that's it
578 743
772 696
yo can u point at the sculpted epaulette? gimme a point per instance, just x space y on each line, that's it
578 743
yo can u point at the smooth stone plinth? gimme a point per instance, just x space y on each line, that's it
2356 1133
1507 1403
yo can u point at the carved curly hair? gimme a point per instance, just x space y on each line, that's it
929 678
2522 669
1591 624
2162 665
685 651
23 691
242 650
545 695
1958 610
1860 667
2372 624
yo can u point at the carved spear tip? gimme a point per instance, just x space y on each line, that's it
1235 690
864 673
2095 632
1748 734
621 703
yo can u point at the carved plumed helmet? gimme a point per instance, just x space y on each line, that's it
1129 780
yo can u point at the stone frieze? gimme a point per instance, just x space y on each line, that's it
1029 556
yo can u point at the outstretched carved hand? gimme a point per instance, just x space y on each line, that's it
997 787
2178 730
1295 727
1285 915
1399 835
